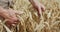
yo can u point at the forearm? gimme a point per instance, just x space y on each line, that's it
3 12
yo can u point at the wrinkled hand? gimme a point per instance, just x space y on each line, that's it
13 19
37 5
10 16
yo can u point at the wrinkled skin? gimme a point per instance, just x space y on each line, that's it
37 5
10 16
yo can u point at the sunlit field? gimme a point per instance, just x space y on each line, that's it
49 20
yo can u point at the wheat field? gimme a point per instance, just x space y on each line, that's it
29 20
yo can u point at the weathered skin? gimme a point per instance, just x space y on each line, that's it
9 15
37 5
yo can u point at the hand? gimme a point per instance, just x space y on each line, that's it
10 16
37 5
13 20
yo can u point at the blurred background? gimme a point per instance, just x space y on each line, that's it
30 22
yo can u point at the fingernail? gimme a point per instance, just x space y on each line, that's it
13 25
15 22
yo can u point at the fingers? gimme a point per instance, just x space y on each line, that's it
42 7
19 12
11 23
15 23
39 11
